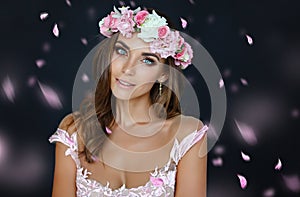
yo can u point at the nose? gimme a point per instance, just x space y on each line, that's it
129 66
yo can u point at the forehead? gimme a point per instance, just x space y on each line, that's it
135 43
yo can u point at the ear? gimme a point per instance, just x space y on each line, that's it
164 77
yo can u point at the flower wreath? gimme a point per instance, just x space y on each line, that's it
150 28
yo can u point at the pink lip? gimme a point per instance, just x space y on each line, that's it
122 85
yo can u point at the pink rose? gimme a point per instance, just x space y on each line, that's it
141 16
163 31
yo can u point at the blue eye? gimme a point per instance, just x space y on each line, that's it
121 51
148 61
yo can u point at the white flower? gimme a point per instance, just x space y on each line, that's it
149 29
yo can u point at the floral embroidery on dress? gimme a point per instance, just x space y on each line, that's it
161 181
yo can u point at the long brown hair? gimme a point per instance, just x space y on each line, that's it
96 113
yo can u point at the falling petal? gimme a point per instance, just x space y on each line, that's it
249 39
219 149
132 3
85 78
84 41
234 88
55 30
8 89
246 132
221 83
244 82
108 130
183 23
40 63
68 3
270 192
46 47
278 165
31 81
192 2
51 96
245 157
122 3
227 73
211 19
243 181
217 161
292 182
295 113
44 16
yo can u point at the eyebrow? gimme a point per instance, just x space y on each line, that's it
143 54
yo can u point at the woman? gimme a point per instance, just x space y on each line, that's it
131 139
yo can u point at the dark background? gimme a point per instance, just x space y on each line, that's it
269 103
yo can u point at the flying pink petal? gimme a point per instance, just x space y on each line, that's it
55 30
84 41
108 130
246 132
40 63
183 23
68 3
122 3
244 82
245 157
292 182
192 2
234 87
44 16
295 113
227 73
221 83
51 96
219 149
243 181
31 81
217 161
85 78
270 192
46 47
249 39
8 89
278 165
132 3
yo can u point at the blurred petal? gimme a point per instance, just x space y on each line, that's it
244 82
192 2
292 182
44 16
122 3
249 39
183 23
108 130
8 89
221 83
85 78
219 149
40 63
31 81
55 30
217 161
51 96
295 113
270 192
246 132
132 3
245 157
84 41
68 3
243 181
278 165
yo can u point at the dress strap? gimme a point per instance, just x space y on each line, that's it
179 149
70 141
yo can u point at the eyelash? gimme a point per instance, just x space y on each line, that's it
118 49
152 62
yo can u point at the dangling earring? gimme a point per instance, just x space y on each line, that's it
160 88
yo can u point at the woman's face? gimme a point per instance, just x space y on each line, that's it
134 68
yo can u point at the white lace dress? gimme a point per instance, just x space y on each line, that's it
161 181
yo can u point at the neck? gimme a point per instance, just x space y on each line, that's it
134 111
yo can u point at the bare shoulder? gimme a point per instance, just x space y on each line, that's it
68 123
187 125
